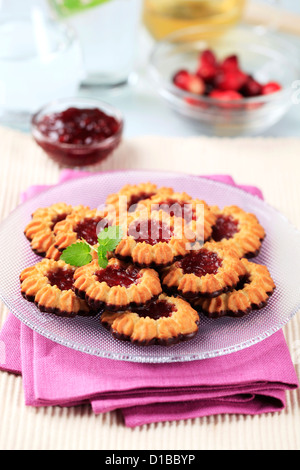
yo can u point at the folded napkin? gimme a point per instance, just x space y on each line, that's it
251 381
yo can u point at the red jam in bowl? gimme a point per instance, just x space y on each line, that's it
77 136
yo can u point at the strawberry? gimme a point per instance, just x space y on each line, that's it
230 63
270 87
230 80
196 102
251 88
189 82
180 79
196 85
225 95
208 65
226 98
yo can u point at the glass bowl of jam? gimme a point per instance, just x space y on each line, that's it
78 132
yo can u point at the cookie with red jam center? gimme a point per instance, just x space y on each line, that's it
119 286
40 230
49 284
154 239
84 225
164 321
128 197
195 212
252 293
206 272
235 228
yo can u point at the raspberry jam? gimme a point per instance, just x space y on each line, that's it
156 309
87 229
62 278
137 198
178 209
150 231
225 227
77 136
118 276
200 263
58 218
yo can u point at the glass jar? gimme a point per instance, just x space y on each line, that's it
40 60
163 17
107 30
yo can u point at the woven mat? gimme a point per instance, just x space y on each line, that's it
271 164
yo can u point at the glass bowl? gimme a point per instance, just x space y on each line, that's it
265 55
82 153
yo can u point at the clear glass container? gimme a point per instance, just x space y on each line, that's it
40 60
266 55
107 30
76 155
163 17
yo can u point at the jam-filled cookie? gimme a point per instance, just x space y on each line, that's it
154 239
252 293
165 321
83 225
49 284
195 212
39 230
129 195
206 272
235 227
119 286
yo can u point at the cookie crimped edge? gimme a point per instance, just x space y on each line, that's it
35 287
100 295
254 294
43 217
210 285
248 240
181 325
161 253
203 230
40 230
64 231
120 201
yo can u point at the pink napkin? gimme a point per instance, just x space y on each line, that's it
251 381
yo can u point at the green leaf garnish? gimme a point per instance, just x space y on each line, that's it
77 254
80 253
110 237
108 240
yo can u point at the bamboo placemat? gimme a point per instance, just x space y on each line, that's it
274 166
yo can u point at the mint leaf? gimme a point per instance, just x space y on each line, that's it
110 237
78 254
102 261
108 240
102 256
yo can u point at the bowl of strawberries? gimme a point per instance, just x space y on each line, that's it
233 82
